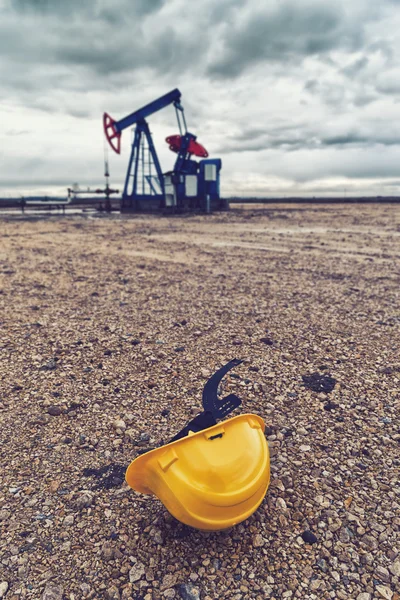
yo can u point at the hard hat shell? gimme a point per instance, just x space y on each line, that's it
212 479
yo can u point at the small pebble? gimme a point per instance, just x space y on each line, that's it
3 588
187 591
55 410
52 591
136 572
258 541
309 537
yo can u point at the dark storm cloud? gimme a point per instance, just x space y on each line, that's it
289 32
51 62
288 145
266 141
366 171
140 7
253 133
355 67
311 85
389 86
343 140
168 51
305 139
143 7
102 40
342 93
40 5
271 129
95 55
350 139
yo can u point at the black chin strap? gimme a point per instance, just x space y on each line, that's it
214 408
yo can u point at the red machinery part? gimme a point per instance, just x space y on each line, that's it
111 133
175 142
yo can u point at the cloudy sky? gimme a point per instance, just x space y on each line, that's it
295 96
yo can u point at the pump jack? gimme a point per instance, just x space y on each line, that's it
190 185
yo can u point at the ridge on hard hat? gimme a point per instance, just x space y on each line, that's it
211 475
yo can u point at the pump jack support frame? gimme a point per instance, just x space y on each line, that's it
132 196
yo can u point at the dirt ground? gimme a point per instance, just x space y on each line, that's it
108 322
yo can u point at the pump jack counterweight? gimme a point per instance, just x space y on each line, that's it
191 185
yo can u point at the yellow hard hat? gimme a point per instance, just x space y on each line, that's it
211 479
211 475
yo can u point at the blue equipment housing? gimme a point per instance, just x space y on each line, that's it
191 185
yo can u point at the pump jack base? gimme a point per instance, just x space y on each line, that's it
155 205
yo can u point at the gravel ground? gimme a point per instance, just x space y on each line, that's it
109 329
